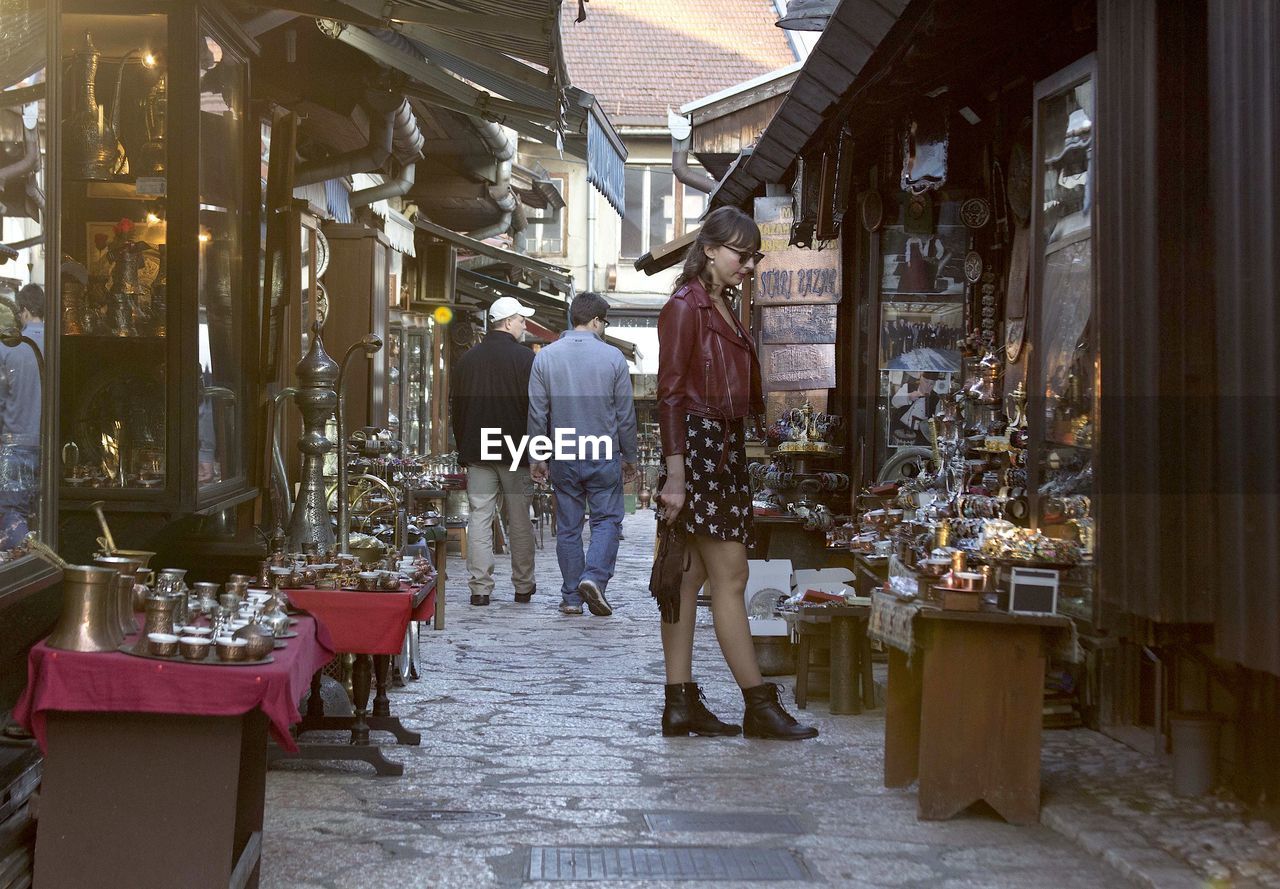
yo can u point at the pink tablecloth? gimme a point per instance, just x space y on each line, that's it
112 682
366 623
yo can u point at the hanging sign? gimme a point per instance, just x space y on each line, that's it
791 275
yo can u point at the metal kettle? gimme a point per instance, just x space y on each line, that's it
89 619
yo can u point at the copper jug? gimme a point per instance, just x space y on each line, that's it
92 150
89 621
122 588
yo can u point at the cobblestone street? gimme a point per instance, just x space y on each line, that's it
541 729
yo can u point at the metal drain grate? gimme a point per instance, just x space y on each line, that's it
409 812
729 822
593 863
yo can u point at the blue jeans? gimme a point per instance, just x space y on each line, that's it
580 483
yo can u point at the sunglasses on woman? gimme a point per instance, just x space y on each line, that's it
745 256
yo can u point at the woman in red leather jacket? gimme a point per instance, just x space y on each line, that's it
708 384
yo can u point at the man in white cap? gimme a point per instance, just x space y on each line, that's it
490 402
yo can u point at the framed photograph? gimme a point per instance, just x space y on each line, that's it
923 264
1033 591
920 336
912 398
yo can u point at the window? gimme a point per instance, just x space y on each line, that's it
548 240
652 217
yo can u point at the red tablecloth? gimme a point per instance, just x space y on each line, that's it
366 623
113 682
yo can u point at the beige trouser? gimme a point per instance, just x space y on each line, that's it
484 483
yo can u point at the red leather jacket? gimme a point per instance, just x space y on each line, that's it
706 366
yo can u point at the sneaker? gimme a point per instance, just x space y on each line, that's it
566 608
477 599
594 597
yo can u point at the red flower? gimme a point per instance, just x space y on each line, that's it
100 241
123 227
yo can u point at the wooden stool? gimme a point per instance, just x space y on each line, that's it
459 535
842 630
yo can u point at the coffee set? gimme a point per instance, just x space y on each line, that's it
339 571
209 623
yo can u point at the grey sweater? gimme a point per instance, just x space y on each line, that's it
581 383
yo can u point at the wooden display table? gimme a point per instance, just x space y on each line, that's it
371 626
964 714
155 771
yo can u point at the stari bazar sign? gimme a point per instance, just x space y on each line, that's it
791 275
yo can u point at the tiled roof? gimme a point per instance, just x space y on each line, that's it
640 57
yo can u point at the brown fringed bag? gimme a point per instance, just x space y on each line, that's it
669 564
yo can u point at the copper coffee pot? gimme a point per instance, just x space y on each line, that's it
89 619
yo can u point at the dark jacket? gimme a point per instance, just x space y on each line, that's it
490 389
706 366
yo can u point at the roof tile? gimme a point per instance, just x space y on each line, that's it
641 57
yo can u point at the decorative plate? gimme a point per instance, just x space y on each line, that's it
872 211
322 254
1018 182
322 304
973 266
975 212
1014 330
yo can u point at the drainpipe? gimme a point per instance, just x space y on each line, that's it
591 237
681 141
360 160
494 137
392 188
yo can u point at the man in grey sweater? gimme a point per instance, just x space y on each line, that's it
580 398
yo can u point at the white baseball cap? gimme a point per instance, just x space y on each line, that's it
506 306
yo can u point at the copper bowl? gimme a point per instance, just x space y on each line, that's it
260 642
229 649
194 648
162 644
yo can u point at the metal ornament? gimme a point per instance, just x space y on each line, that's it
975 212
309 528
973 266
93 152
88 621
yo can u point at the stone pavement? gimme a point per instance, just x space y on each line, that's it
541 729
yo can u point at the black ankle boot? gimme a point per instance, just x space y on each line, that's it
686 713
765 717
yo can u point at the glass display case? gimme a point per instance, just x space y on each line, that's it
409 376
1064 371
29 272
156 202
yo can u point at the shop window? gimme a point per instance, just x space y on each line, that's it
652 217
549 240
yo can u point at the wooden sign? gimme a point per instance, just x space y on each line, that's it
798 324
791 275
803 366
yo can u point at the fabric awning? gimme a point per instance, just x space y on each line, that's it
599 143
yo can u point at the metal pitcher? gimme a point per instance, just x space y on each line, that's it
92 149
122 588
89 621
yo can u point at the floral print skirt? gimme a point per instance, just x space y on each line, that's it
717 494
